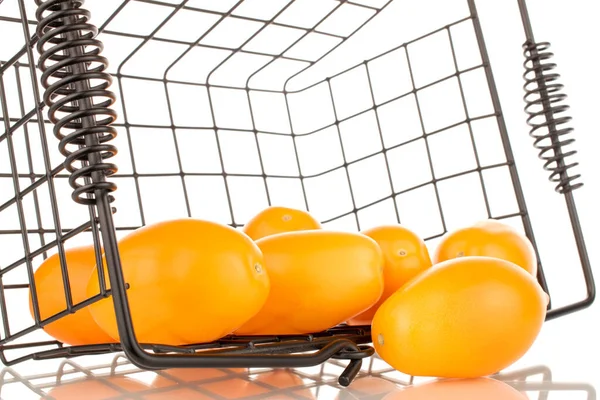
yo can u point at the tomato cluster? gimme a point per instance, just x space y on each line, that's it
471 309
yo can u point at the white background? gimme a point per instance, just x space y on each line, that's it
568 345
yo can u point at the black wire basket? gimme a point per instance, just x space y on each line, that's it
245 98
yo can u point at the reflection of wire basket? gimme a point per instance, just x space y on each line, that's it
259 115
119 379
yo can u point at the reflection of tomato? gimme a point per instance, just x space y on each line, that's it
288 384
235 388
179 393
276 219
168 387
489 238
74 329
405 256
319 279
367 387
190 281
169 376
458 389
232 383
463 318
97 389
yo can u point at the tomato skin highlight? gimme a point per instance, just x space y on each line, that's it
319 279
277 219
191 281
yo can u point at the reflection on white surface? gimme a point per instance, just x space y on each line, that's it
118 379
568 345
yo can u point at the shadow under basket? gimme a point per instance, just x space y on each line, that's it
221 108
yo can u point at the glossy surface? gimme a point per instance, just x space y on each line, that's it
466 317
190 281
91 389
78 328
405 255
113 377
319 279
488 238
463 389
278 219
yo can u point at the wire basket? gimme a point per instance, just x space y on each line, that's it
220 108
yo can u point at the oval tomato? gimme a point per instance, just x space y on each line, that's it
277 219
74 329
405 256
463 318
489 238
191 281
319 279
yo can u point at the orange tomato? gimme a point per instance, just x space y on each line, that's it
459 389
463 318
191 281
74 329
276 219
405 256
92 389
319 279
488 238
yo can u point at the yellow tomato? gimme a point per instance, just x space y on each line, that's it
319 279
405 256
74 329
191 281
277 219
463 318
489 238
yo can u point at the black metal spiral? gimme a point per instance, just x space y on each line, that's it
77 94
545 108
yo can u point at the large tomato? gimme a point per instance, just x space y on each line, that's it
319 279
73 329
489 238
277 219
463 318
191 281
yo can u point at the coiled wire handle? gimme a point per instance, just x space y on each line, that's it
546 115
76 92
545 106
